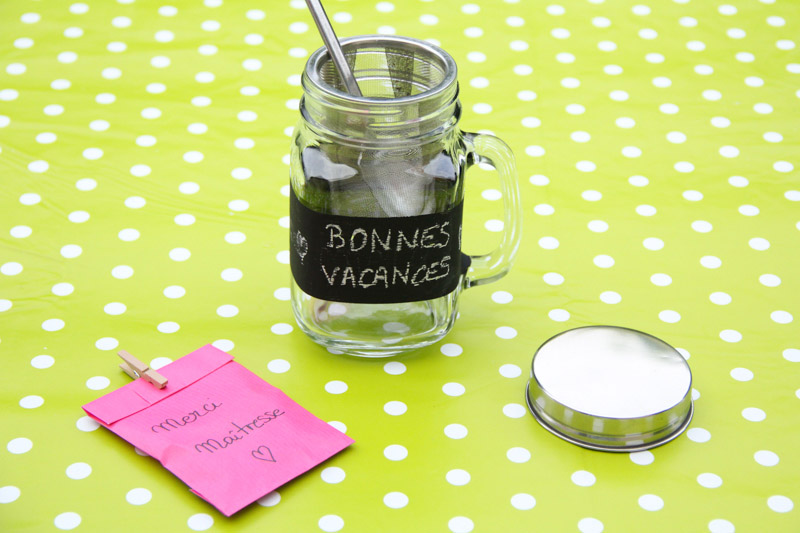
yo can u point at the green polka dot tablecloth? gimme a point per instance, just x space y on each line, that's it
144 170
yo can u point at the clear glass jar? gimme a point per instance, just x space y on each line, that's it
394 153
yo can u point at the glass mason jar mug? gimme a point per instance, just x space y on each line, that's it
377 189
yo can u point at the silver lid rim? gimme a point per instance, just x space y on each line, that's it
599 447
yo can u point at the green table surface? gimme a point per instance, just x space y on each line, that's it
143 205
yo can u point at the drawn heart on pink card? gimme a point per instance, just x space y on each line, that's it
262 453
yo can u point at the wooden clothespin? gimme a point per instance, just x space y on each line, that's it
137 369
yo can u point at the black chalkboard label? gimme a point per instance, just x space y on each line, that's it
375 260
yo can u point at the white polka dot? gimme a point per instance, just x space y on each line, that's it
330 523
709 480
669 316
201 101
574 109
534 151
270 500
106 343
98 382
613 70
67 521
283 294
580 136
548 243
518 455
115 308
394 368
8 95
710 261
754 414
31 402
30 18
395 452
188 187
451 350
458 477
20 232
780 504
741 374
453 389
395 408
395 500
698 435
766 458
558 315
67 57
553 278
590 525
281 328
11 268
333 475
505 332
460 524
720 298
625 122
523 70
607 46
642 458
179 254
653 243
79 470
564 57
227 311
336 387
601 22
597 226
585 166
238 205
781 317
140 170
730 335
591 195
514 410
138 496
85 423
235 237
455 431
651 502
159 362
223 344
38 166
702 226
42 361
168 327
193 156
792 355
19 445
53 324
759 243
128 234
200 522
582 478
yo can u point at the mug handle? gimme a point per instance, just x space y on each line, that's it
484 148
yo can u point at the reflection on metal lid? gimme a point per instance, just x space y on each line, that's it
610 388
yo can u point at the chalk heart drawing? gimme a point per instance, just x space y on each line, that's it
262 453
301 245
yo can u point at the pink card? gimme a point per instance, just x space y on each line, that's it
228 434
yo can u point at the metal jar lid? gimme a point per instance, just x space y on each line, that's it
610 388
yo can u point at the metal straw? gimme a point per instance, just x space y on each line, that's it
332 43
